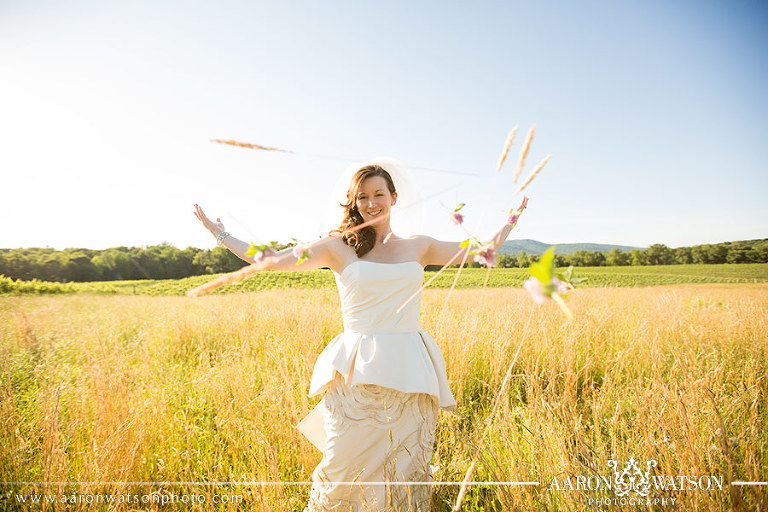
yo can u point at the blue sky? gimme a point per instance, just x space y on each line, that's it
655 114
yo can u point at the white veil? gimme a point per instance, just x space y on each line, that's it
407 214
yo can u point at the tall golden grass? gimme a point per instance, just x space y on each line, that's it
176 389
507 145
533 174
524 153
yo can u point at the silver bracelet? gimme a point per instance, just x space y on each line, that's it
220 238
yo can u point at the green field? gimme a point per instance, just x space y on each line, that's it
473 277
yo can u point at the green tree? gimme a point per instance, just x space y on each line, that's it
218 260
77 267
522 260
116 264
659 254
699 254
561 260
683 255
761 248
505 261
595 259
717 253
639 257
51 269
739 255
580 258
617 258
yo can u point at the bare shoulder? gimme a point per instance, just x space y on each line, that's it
437 252
336 253
331 244
421 241
418 247
335 242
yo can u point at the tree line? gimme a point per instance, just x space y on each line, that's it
744 251
118 263
168 262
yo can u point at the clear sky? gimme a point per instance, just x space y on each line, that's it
655 113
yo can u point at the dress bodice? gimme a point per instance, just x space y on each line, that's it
380 297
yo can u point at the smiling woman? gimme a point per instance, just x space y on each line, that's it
384 377
370 198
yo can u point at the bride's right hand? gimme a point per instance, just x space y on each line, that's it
214 227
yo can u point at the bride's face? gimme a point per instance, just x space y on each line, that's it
374 199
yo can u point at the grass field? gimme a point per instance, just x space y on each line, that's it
134 389
470 278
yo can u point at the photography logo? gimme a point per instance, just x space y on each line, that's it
631 484
631 479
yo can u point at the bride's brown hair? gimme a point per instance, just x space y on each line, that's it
361 240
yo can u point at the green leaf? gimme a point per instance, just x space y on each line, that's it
544 269
465 243
254 249
548 260
541 272
305 255
459 206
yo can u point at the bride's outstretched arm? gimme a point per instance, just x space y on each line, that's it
448 253
501 236
321 253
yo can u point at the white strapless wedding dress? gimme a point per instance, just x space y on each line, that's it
385 378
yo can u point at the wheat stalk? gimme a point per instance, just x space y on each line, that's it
533 174
231 278
524 153
510 140
249 145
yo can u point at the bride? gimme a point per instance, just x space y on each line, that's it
384 377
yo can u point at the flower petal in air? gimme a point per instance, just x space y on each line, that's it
536 290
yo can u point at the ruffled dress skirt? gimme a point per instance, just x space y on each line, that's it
378 449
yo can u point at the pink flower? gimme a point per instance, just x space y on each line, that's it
262 255
536 290
486 256
512 219
456 218
301 250
540 293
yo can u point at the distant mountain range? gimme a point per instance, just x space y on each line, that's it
535 247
